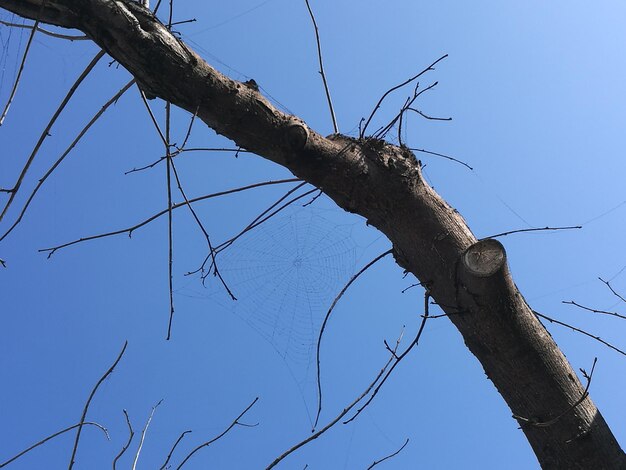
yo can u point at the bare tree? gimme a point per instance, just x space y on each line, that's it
468 278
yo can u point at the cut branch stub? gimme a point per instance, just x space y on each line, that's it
530 372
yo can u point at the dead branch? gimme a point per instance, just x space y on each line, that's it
376 462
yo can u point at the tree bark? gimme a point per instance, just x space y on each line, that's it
469 279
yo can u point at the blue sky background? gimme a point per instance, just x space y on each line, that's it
536 93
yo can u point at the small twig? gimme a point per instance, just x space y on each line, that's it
376 462
131 434
223 433
65 154
428 152
52 436
589 309
503 234
45 31
91 395
169 456
143 434
578 330
391 90
325 322
607 283
322 73
130 230
13 191
544 424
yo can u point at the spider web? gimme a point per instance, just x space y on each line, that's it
285 274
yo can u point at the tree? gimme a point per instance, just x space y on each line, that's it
385 184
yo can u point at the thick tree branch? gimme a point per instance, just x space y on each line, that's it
384 184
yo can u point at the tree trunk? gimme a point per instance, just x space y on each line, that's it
469 279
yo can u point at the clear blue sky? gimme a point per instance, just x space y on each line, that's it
536 93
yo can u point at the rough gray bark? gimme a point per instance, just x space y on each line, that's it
383 183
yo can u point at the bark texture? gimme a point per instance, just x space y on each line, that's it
384 184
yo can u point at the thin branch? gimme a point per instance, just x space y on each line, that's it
130 230
52 436
544 424
406 82
176 153
80 135
323 328
504 234
223 433
45 31
322 73
143 434
170 238
376 462
607 283
589 309
131 434
578 330
13 191
169 456
428 152
91 395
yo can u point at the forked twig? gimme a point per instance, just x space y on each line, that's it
399 358
91 395
326 318
337 418
322 73
223 433
391 90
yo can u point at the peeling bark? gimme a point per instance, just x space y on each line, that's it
383 183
